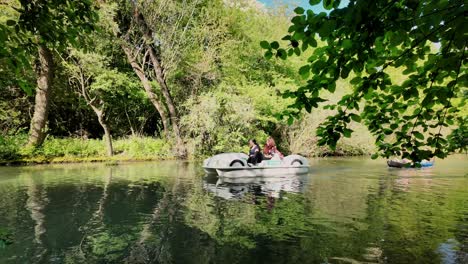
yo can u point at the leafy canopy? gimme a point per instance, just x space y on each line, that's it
55 24
363 42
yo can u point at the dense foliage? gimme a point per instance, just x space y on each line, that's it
192 74
362 43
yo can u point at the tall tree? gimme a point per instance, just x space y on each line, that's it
427 40
45 26
144 54
93 82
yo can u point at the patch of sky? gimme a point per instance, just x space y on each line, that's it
302 3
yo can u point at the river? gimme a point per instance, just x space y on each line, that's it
346 210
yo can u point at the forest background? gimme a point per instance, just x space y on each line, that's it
161 80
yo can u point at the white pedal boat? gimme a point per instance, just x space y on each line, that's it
234 165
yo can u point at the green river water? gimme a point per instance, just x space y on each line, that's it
350 210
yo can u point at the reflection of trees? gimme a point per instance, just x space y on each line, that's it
346 220
243 229
127 214
139 215
77 254
35 204
118 220
155 247
461 234
156 240
22 207
420 220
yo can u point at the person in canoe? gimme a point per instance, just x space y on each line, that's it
270 150
255 156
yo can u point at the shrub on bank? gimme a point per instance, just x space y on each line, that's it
12 148
143 147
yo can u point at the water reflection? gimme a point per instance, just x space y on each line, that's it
345 211
274 187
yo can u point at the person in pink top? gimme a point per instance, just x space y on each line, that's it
270 149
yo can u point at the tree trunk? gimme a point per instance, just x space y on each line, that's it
158 70
41 106
148 89
130 123
107 135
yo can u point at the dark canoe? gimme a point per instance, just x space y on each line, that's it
396 164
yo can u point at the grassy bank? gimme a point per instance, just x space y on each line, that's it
63 150
58 150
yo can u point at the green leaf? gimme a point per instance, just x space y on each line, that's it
25 87
312 42
355 117
345 72
355 80
299 10
11 23
327 28
268 54
347 132
375 156
281 53
314 2
264 44
418 135
304 70
347 44
274 45
297 51
336 3
328 4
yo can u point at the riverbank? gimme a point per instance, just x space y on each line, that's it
77 150
71 150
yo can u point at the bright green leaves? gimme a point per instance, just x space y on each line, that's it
273 48
347 132
457 139
55 24
405 105
281 53
355 117
274 45
299 10
264 44
304 71
418 135
314 2
40 20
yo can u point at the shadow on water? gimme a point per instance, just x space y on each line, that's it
345 211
